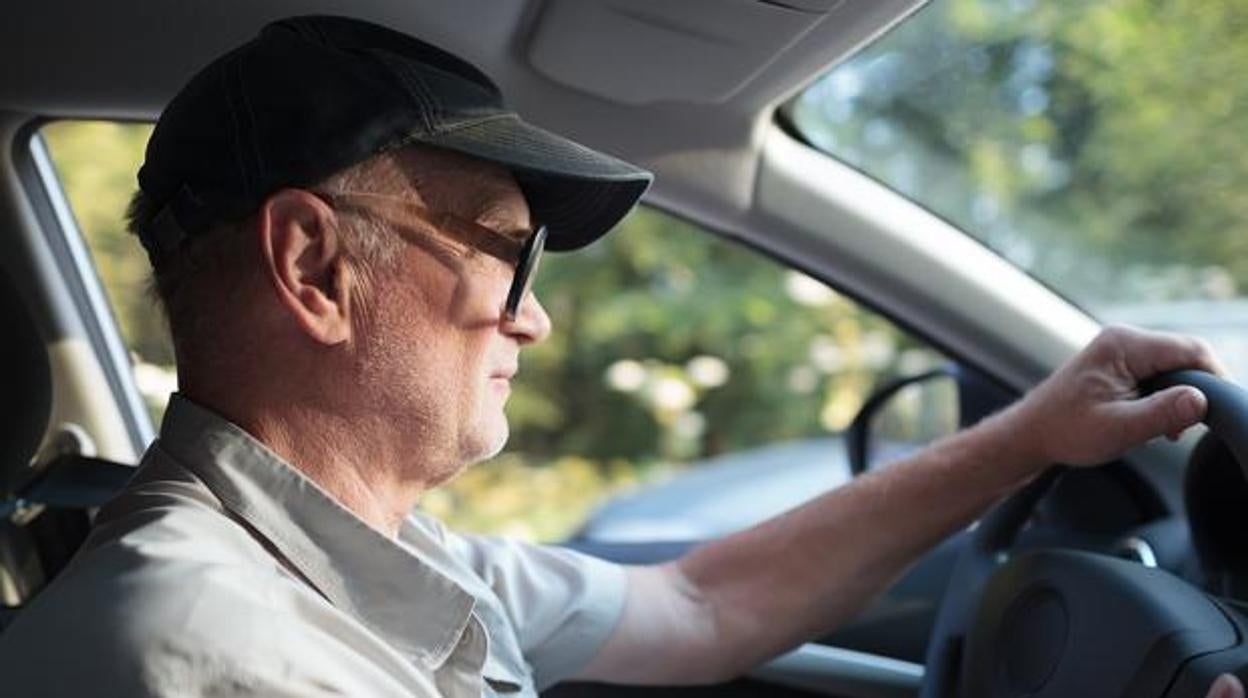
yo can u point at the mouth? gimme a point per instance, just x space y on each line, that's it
504 374
501 379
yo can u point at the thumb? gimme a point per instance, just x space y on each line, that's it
1227 686
1169 411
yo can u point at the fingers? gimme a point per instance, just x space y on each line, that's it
1226 686
1167 412
1147 353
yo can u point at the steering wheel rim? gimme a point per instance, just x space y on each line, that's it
989 542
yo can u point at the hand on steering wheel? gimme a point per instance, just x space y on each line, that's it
1090 410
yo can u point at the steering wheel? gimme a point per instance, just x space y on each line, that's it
1064 623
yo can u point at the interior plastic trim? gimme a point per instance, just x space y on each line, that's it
836 671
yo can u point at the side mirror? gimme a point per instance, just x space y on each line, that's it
909 412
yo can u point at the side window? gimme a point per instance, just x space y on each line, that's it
96 163
690 387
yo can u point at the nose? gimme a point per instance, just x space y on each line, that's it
531 325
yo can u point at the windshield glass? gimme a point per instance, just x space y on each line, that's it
1103 147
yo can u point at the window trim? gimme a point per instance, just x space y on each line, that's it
77 269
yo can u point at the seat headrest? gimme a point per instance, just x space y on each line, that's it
25 385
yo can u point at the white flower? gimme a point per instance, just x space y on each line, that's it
673 395
877 349
808 291
826 354
707 371
626 375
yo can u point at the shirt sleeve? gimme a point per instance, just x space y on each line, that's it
563 604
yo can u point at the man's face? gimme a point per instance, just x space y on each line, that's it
437 346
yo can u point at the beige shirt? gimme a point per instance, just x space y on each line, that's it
222 571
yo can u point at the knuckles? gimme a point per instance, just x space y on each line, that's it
1202 348
1112 340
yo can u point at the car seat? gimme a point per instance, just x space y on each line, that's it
45 503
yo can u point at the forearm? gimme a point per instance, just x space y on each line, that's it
729 605
799 575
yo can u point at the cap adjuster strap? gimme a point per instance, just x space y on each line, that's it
166 233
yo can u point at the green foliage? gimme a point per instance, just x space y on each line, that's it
97 162
658 292
1100 145
511 496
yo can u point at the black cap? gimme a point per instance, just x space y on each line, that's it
311 96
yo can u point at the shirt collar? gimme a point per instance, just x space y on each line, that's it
417 609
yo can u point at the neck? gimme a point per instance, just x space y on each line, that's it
337 462
365 463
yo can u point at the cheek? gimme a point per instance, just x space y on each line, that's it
479 294
398 339
445 338
474 361
436 328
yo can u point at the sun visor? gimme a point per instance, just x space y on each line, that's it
645 51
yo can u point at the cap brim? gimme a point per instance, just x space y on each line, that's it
577 193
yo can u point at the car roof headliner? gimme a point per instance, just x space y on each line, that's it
125 60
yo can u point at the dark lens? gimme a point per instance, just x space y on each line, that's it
526 269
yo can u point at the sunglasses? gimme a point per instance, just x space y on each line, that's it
522 249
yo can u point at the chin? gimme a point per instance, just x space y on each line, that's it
488 441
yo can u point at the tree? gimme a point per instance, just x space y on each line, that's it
1099 145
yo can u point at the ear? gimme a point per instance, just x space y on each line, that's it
302 252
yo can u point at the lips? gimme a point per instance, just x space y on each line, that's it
500 381
505 373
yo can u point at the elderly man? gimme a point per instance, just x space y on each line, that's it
343 224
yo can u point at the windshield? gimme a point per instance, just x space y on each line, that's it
1103 147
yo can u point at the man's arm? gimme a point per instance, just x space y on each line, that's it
729 605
